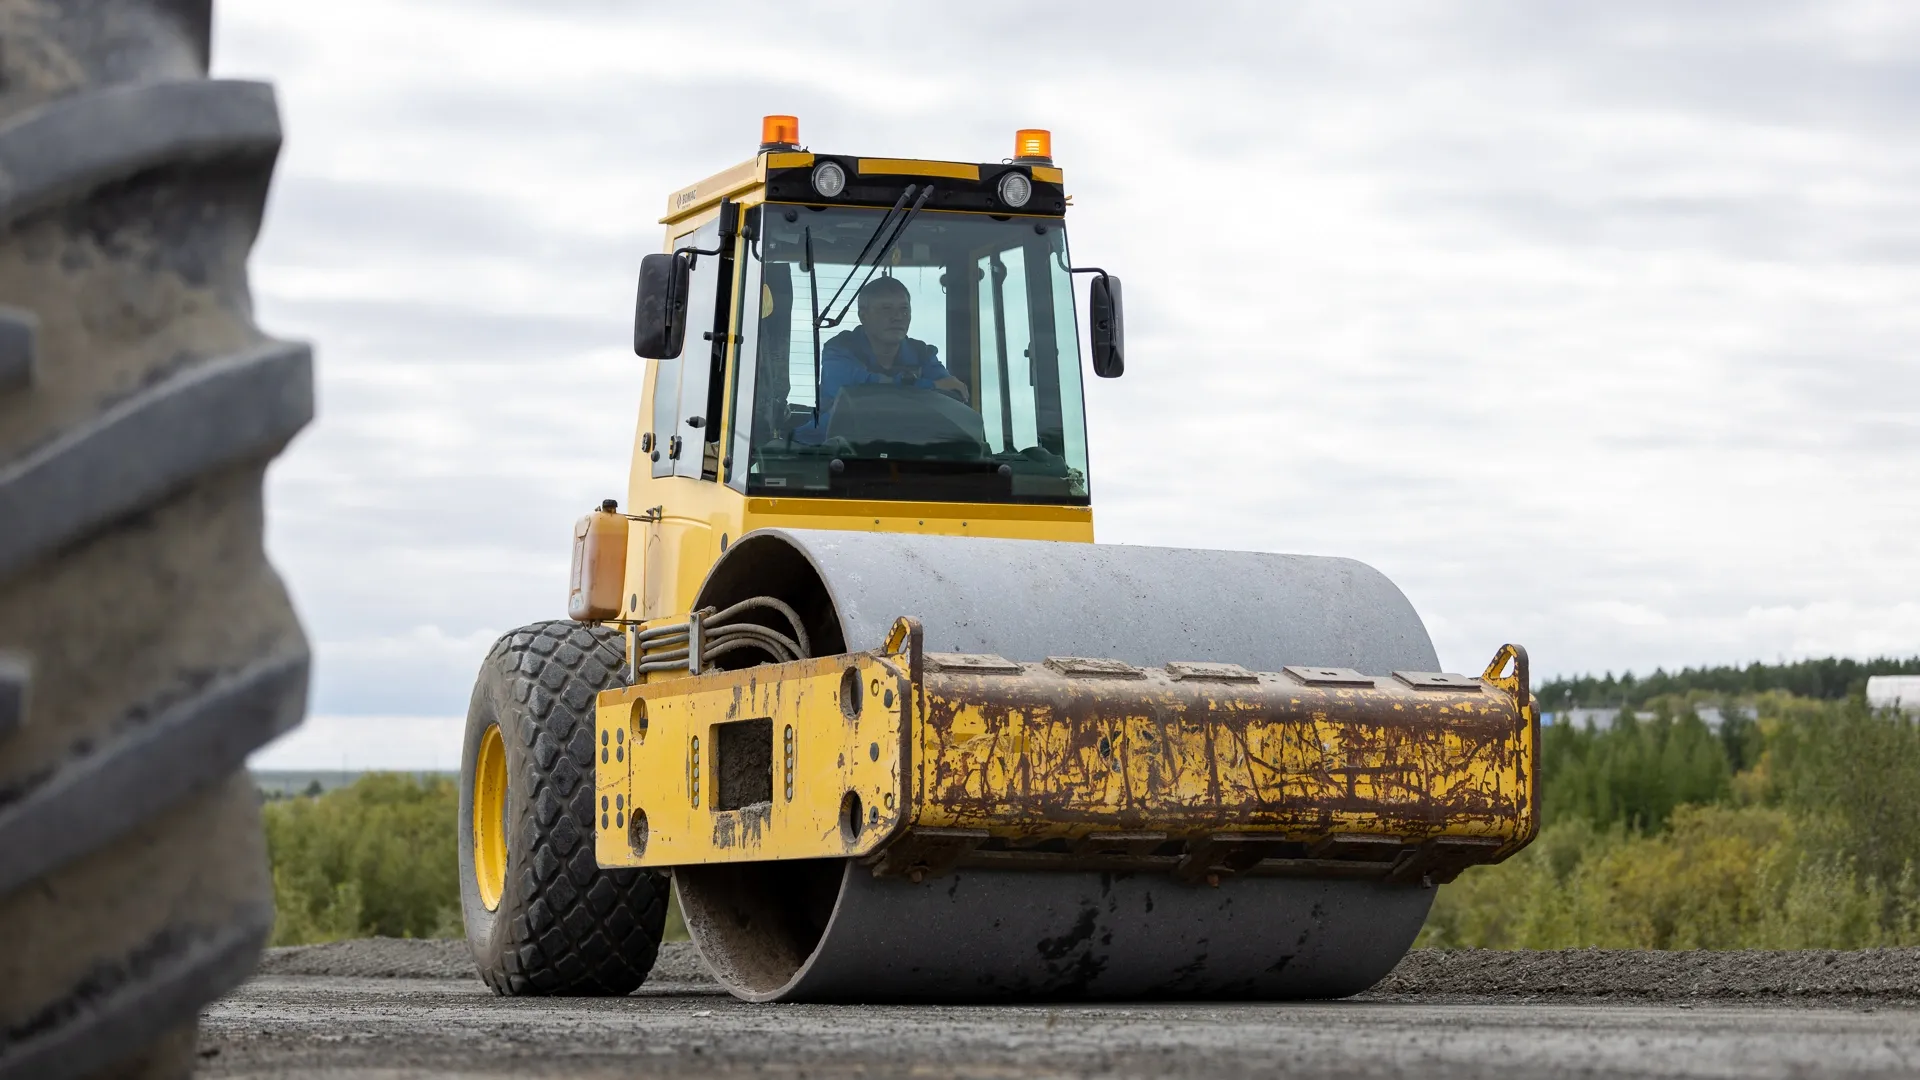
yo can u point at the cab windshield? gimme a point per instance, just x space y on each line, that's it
947 364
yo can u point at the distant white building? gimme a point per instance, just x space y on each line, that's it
1581 717
1713 717
1604 717
1894 691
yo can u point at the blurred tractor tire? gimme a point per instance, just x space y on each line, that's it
542 917
146 646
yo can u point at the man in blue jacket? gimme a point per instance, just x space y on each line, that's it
879 350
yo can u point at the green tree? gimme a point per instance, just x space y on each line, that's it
1852 771
1633 773
1651 841
374 858
1720 877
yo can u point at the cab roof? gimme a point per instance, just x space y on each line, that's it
787 176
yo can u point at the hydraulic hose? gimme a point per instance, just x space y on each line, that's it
669 646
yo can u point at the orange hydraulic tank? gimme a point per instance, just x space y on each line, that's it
599 565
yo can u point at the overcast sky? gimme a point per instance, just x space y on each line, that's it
1594 327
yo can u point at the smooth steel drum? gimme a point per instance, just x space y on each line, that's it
830 931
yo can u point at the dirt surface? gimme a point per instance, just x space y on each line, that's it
373 958
1866 977
1814 976
396 958
306 1026
405 1009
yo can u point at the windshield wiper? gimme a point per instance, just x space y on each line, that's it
813 297
877 251
869 248
865 250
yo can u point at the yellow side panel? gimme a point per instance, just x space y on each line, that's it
765 763
695 197
1040 754
667 559
695 548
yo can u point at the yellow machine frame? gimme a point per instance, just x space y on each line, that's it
917 763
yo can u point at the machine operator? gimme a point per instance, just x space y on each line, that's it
879 350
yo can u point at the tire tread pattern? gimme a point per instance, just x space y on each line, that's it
197 963
185 749
18 330
140 405
15 677
77 144
573 928
141 450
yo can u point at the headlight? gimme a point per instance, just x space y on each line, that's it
1015 189
829 179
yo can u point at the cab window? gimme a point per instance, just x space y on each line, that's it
972 393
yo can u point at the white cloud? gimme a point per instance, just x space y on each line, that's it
1594 328
353 743
405 673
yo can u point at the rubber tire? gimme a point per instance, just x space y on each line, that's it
149 644
564 926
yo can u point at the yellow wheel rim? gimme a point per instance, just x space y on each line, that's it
490 818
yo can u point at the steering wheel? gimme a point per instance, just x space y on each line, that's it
908 416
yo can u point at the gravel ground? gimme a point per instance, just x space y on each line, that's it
1866 977
340 1028
373 958
395 958
1813 976
410 1009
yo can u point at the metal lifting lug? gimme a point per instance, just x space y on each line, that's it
696 640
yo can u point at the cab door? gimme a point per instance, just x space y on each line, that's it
681 384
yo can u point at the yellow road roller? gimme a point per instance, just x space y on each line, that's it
849 673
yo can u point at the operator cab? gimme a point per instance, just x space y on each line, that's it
980 401
991 299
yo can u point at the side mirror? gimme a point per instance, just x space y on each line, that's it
660 307
1109 327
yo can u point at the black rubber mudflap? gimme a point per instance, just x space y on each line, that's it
563 925
146 646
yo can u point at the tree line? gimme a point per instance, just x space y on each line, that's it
1828 679
1796 827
